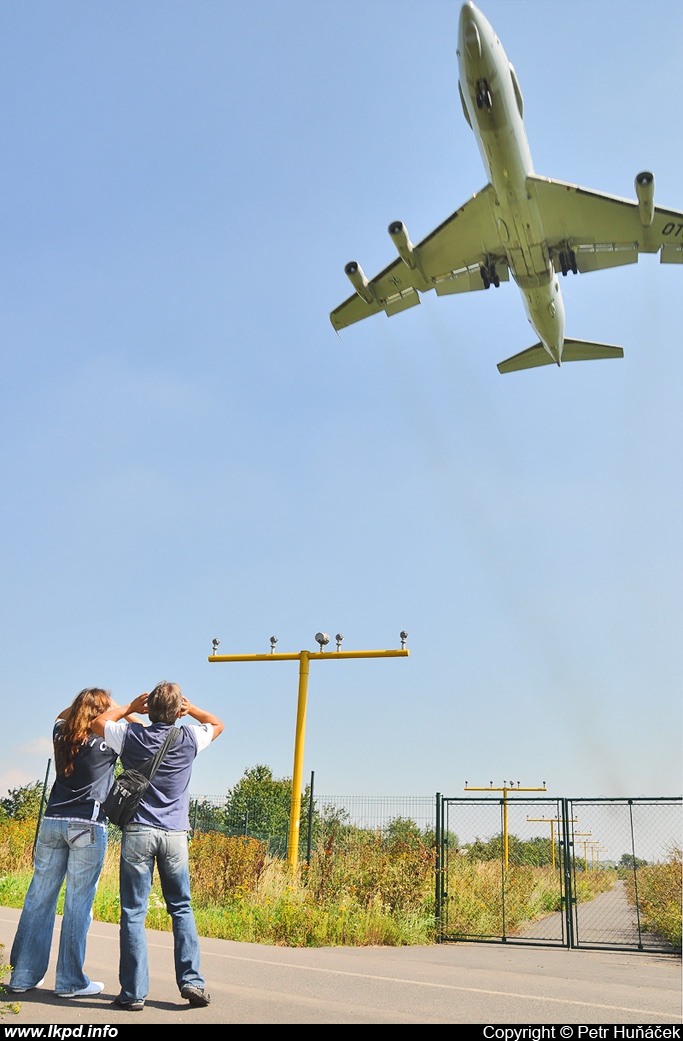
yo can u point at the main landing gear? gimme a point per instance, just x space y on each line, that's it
567 261
489 276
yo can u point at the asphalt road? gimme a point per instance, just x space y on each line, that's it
447 983
607 919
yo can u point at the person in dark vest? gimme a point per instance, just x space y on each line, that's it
158 834
71 844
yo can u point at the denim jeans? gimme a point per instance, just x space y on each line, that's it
71 849
141 846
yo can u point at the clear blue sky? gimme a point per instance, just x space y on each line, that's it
189 451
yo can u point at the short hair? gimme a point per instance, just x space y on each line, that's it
163 704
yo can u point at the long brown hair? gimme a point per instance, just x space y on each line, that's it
86 706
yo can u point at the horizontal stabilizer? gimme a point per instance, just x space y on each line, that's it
573 350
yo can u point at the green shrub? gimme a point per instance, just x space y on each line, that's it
16 844
223 867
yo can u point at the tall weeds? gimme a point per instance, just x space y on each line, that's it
659 896
376 891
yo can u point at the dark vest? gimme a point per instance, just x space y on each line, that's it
166 802
80 794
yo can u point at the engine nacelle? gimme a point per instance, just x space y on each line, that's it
645 190
406 250
359 282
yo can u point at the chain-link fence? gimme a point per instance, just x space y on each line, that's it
571 872
639 842
339 822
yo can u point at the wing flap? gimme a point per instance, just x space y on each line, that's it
671 254
601 255
401 301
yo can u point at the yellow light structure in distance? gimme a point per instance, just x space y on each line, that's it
552 821
505 789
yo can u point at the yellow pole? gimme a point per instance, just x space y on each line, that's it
585 849
505 791
304 657
552 821
298 771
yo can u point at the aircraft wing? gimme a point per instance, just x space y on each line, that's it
448 260
602 230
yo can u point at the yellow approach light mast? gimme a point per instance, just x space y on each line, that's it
552 821
507 787
304 657
596 849
583 837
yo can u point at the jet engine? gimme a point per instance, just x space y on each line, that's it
359 282
399 234
645 190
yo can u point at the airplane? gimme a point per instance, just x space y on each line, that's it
519 224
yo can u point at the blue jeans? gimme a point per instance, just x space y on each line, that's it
141 846
71 849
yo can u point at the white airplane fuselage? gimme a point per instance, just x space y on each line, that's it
494 106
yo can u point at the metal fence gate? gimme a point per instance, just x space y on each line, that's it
592 873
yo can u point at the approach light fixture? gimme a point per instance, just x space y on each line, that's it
339 637
215 643
273 641
404 636
323 639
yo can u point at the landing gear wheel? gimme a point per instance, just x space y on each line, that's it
484 99
489 276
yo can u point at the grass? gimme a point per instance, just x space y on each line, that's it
377 892
239 893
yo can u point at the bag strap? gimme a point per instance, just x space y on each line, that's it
151 765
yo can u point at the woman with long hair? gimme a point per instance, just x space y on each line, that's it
71 844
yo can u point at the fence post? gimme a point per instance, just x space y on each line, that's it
309 835
567 868
635 874
438 869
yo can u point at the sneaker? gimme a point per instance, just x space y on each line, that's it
129 1006
22 990
85 992
195 995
